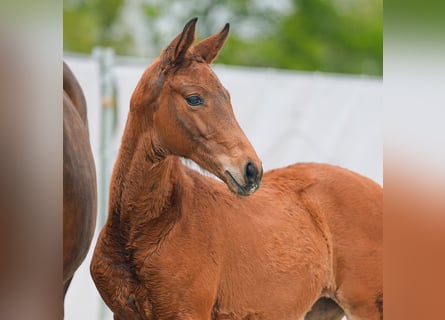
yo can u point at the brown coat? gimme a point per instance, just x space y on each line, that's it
179 245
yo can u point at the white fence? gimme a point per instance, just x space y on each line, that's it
288 116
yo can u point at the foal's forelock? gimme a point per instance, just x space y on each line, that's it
153 80
180 54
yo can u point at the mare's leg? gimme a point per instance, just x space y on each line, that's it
325 309
66 285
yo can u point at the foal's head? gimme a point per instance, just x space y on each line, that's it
190 113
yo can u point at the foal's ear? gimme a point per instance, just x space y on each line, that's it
174 53
209 48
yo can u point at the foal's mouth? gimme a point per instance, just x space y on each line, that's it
235 186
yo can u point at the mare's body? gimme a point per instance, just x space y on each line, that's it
79 179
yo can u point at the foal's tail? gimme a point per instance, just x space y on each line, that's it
72 92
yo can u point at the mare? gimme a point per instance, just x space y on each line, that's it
179 245
79 179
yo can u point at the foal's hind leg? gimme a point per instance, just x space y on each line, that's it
325 309
361 305
364 313
369 310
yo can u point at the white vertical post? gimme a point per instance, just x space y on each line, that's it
105 58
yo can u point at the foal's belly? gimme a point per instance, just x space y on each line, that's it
275 298
273 273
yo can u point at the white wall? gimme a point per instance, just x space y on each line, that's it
288 116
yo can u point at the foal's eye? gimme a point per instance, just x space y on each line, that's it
194 100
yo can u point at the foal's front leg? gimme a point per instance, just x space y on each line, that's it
135 310
116 284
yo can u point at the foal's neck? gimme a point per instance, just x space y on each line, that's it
143 181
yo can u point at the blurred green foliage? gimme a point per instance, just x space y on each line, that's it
317 36
87 24
342 36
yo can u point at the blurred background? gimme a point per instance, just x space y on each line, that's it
305 78
341 36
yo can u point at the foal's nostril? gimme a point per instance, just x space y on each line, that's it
251 173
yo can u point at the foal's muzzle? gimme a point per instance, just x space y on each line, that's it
252 179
